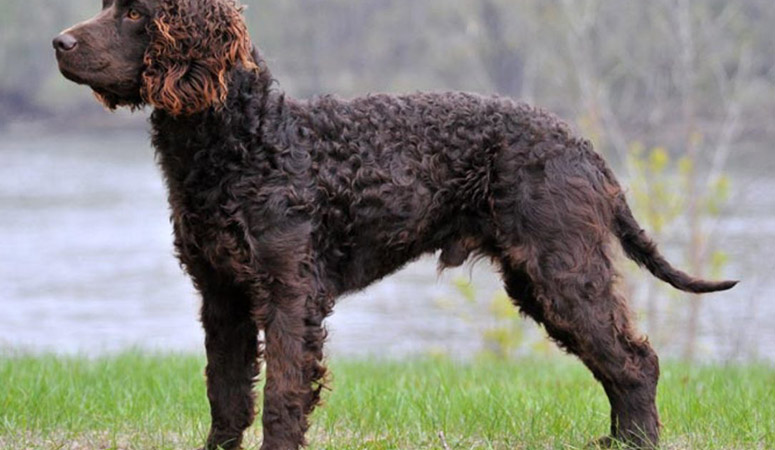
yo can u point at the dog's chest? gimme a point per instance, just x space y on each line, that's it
241 225
209 237
210 223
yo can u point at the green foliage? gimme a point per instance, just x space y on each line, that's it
504 332
504 338
656 195
718 195
660 188
659 185
465 288
718 260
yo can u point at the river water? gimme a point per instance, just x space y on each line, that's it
86 266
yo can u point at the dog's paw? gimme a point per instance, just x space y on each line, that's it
609 442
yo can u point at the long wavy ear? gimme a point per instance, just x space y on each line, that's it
194 44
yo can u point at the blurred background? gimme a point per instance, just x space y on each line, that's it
679 95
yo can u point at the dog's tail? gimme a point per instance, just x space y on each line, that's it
641 249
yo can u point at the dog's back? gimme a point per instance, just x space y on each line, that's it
399 176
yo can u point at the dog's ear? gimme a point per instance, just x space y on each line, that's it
194 44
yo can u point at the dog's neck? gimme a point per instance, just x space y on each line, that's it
179 140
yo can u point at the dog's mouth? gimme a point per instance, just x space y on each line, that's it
96 76
81 63
72 76
77 73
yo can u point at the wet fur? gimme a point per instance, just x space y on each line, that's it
280 206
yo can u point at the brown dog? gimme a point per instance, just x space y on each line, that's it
280 206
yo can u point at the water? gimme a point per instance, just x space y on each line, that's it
86 266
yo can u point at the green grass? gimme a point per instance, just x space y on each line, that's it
138 401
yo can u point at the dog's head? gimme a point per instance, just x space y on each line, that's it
172 54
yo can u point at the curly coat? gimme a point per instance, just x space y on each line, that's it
280 206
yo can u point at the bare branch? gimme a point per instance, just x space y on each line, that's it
580 23
733 111
443 440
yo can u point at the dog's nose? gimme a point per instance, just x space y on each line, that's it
65 42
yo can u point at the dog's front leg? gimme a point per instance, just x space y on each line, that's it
231 341
294 353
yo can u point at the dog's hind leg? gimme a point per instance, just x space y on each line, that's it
233 353
583 314
554 233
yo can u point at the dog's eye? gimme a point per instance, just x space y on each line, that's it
133 14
